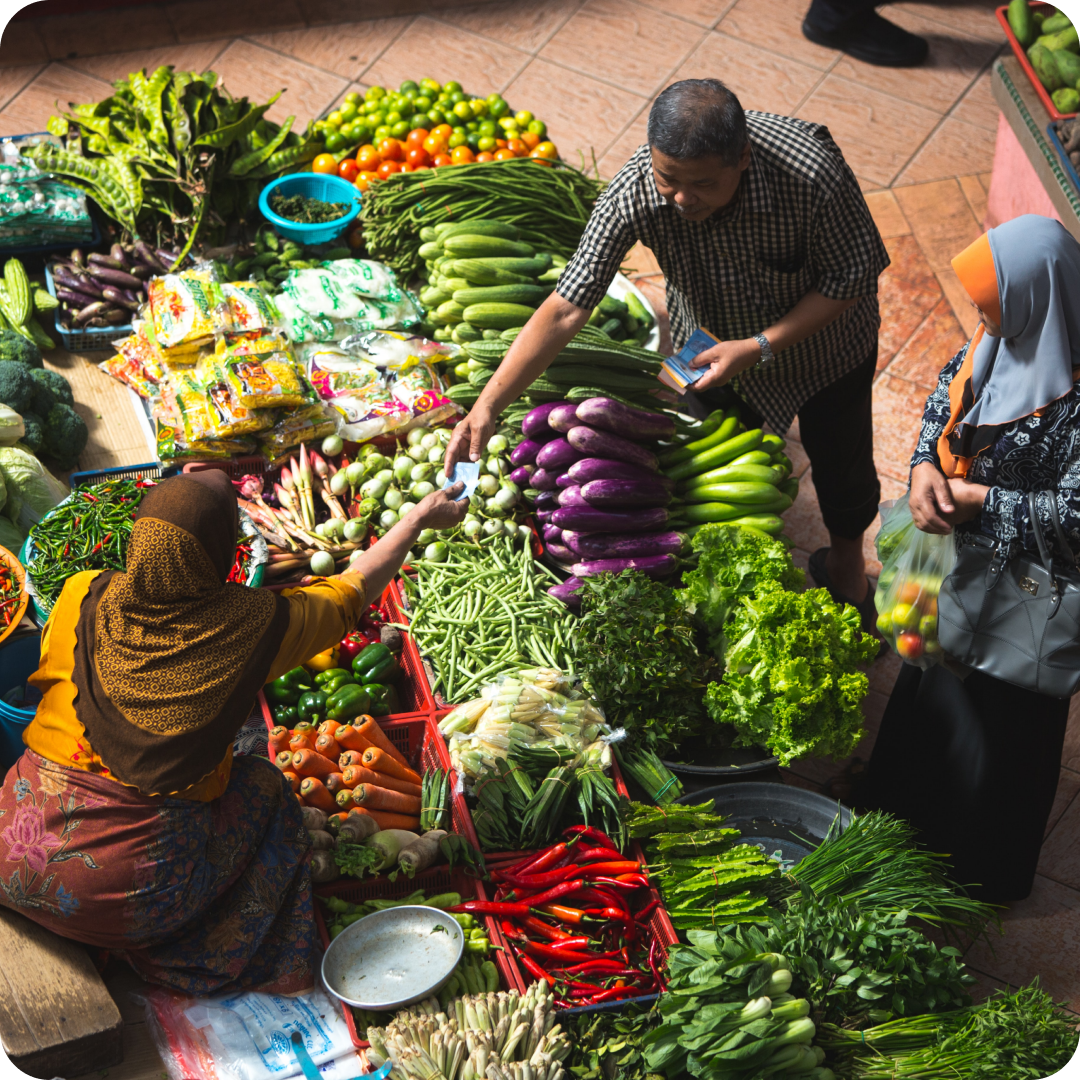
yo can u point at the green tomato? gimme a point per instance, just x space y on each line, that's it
471 126
348 112
523 118
393 117
377 118
485 142
452 87
507 122
417 120
458 98
430 86
381 133
487 127
463 110
400 130
479 107
443 101
457 140
335 142
537 127
374 93
436 117
335 119
423 102
408 85
353 98
473 140
498 107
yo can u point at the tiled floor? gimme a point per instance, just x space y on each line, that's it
921 143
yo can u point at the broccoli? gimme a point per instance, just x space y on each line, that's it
34 432
17 389
65 436
52 387
15 347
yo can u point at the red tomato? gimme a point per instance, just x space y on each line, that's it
364 180
324 163
416 137
434 145
388 168
443 131
485 155
504 154
442 159
910 646
368 158
391 150
518 148
417 155
461 155
349 169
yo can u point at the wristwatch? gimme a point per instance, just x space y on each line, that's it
766 349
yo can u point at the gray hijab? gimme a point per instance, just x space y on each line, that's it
1031 365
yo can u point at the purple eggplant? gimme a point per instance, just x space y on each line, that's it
143 273
624 546
520 476
552 534
168 258
525 452
536 420
544 479
79 282
544 516
117 297
558 454
615 494
121 255
589 519
563 417
70 296
656 566
106 275
592 468
560 552
547 500
610 415
571 496
116 317
564 481
90 311
593 443
144 253
96 260
77 257
567 592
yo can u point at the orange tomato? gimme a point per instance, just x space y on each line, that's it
485 155
388 168
441 159
530 139
545 150
420 168
324 163
517 147
348 169
461 155
364 180
434 145
909 593
443 131
391 150
500 144
355 236
505 155
416 137
417 156
368 158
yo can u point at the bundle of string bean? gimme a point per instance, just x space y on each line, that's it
484 611
494 1036
549 204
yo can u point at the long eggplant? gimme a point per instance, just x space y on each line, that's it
565 481
557 454
121 255
622 546
144 253
108 276
79 299
521 475
78 282
592 468
525 452
561 552
592 443
90 311
544 516
615 494
117 297
568 592
552 534
563 417
544 480
547 500
96 259
589 519
656 566
536 420
571 496
625 420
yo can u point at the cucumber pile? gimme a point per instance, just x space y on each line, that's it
1053 47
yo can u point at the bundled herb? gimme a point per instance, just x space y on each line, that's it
435 800
638 656
306 210
502 797
649 773
608 1045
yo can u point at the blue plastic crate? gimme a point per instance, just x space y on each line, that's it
1066 164
93 337
313 186
152 470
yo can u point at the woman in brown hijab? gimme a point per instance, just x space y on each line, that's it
126 824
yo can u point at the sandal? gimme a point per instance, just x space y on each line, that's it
866 609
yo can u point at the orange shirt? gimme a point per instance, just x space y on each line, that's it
319 616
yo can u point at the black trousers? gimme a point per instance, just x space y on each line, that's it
829 15
973 764
836 427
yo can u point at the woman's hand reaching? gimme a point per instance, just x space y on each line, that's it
439 510
938 503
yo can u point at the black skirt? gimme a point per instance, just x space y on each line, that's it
973 764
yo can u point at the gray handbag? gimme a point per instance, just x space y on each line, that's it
1014 618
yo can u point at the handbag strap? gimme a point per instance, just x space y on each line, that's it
1036 527
1059 532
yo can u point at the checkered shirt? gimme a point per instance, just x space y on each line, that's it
799 222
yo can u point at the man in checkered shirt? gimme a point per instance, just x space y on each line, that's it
765 240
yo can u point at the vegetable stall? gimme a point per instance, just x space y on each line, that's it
487 749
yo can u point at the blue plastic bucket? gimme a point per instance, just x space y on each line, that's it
19 657
322 186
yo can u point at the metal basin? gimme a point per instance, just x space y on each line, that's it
393 958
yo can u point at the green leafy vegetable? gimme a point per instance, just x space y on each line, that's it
357 860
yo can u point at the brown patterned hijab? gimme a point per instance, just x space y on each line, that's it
169 656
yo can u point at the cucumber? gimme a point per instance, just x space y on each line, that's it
478 227
491 335
471 246
1052 23
530 295
613 327
463 332
427 234
530 267
610 307
477 272
1021 22
431 250
451 311
453 284
497 316
433 296
584 374
549 277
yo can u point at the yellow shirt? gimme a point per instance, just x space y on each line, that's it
319 616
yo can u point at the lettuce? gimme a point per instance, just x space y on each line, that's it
792 681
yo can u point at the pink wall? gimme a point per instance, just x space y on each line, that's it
1015 187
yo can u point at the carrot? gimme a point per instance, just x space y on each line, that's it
293 779
344 800
308 763
327 746
375 735
314 791
357 774
389 820
302 740
349 738
284 759
277 741
381 762
351 757
335 782
339 817
380 798
302 727
328 727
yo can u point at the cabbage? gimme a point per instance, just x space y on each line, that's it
32 491
12 428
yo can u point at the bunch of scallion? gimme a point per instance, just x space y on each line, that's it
646 769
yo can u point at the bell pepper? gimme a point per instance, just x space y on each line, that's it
312 706
330 674
349 701
334 685
285 716
351 645
287 689
380 700
376 664
323 661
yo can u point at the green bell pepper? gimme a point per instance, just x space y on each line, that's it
380 699
285 716
376 663
330 675
312 707
348 702
334 685
287 689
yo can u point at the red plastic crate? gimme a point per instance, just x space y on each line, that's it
1021 55
439 879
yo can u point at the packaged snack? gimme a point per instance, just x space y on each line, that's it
366 278
272 380
229 415
319 292
295 429
249 307
186 309
391 350
419 389
256 342
300 326
131 374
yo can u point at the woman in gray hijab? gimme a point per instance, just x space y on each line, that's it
973 762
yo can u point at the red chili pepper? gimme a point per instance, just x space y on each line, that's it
603 898
611 869
564 888
618 885
537 864
613 994
646 911
592 854
639 881
549 953
538 926
563 914
588 832
608 967
540 881
534 969
489 907
653 949
579 942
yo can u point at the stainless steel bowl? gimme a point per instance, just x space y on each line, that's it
393 958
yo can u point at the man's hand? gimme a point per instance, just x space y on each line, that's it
469 439
931 500
724 361
439 510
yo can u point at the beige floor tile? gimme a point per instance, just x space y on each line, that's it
1067 790
194 56
883 672
483 66
941 219
975 194
622 149
907 292
969 18
96 32
346 48
877 133
984 178
938 338
196 20
888 216
777 26
978 106
621 42
703 12
898 408
246 68
955 145
30 110
582 114
802 522
760 79
521 23
957 296
945 77
1070 754
13 80
21 45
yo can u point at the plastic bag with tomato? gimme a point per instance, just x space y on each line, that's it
914 564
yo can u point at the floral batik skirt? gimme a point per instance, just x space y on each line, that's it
195 896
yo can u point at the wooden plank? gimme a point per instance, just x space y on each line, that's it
141 1058
56 1016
